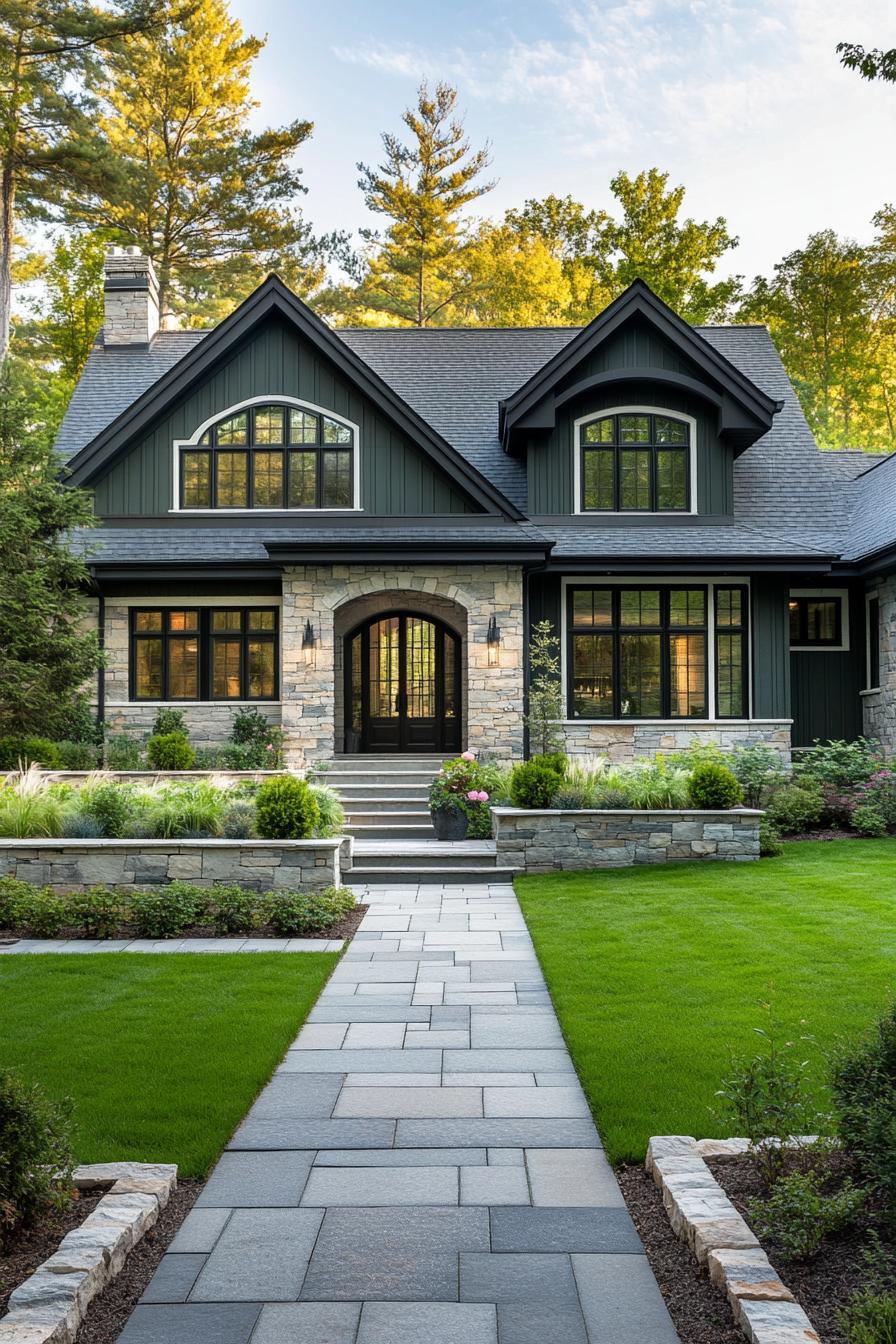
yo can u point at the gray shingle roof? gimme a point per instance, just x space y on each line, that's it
872 525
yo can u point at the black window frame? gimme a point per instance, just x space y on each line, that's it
740 630
252 447
802 600
872 641
651 446
664 628
205 636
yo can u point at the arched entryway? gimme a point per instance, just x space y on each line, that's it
402 674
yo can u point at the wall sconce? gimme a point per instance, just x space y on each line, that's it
309 644
493 640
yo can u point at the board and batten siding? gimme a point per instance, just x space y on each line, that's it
771 647
826 685
396 477
550 461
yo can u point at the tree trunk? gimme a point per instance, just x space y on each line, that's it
7 211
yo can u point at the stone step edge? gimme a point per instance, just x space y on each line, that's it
49 1306
703 1216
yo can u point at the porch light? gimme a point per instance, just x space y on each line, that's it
493 641
309 644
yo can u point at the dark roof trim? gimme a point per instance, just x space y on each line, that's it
154 569
731 564
516 552
274 297
639 375
638 299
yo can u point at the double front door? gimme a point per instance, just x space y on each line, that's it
403 685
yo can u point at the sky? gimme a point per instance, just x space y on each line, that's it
744 103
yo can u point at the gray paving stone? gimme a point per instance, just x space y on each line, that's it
174 1278
494 1185
330 1010
297 1096
496 1133
434 1322
204 1323
503 1061
441 1040
257 1180
371 973
621 1301
364 1061
410 1102
403 1157
457 1016
401 1255
536 1296
569 1177
376 1035
371 1187
511 1033
200 1230
396 1080
296 1134
564 1230
320 1036
536 1102
506 1157
308 1323
261 1256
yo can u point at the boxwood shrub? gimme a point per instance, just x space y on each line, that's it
285 809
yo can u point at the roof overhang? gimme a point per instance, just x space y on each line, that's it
490 551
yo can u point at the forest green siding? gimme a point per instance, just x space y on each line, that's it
396 477
825 685
771 648
550 461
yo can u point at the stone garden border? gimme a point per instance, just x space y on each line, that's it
49 1306
702 1215
260 865
550 839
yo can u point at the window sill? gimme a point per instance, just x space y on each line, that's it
185 704
872 690
250 513
668 723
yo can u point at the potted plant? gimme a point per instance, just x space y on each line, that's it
451 794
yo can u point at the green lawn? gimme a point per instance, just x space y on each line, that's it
658 973
162 1054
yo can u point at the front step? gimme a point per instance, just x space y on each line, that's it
384 807
410 875
358 793
395 830
358 779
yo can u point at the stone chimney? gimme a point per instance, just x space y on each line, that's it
131 298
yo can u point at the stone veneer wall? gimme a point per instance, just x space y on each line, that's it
623 742
493 696
547 841
260 865
879 707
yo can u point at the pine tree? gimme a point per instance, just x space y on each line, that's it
213 203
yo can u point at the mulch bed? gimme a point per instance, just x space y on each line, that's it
830 834
33 1247
346 928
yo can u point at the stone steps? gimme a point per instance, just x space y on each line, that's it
472 874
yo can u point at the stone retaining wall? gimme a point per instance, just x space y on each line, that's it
879 706
260 865
550 840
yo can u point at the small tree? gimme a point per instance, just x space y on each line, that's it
545 708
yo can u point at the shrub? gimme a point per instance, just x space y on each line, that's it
712 787
285 809
758 769
170 751
332 816
869 820
81 826
29 750
880 792
13 895
843 764
837 804
798 1216
533 785
554 760
238 821
653 784
257 744
109 805
78 755
122 753
769 839
167 912
169 721
235 910
35 1154
698 753
44 913
78 724
863 1082
869 1318
179 811
99 912
794 808
570 799
297 914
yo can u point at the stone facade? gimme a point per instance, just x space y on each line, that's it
879 707
492 696
548 841
624 742
259 865
130 298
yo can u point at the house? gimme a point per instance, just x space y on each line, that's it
356 530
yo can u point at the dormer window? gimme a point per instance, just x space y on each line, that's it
634 462
270 456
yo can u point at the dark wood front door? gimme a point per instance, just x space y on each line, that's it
402 689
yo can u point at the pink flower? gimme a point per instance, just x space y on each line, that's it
477 796
269 747
467 756
483 796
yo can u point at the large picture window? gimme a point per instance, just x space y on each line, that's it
635 463
644 653
270 457
190 653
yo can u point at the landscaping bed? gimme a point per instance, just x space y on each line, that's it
35 1244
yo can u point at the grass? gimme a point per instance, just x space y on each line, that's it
659 974
161 1054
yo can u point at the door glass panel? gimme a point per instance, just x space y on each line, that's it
357 691
385 683
420 655
450 706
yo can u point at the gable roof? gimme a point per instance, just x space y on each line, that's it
272 297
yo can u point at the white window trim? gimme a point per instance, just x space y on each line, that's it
633 513
874 593
843 594
273 399
585 581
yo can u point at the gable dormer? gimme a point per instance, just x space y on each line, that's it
638 414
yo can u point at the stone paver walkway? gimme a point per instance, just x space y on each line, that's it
421 1169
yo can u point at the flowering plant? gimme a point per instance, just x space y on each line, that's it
464 784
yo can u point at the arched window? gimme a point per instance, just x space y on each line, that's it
270 456
634 462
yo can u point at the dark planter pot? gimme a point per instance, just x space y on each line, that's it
449 823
